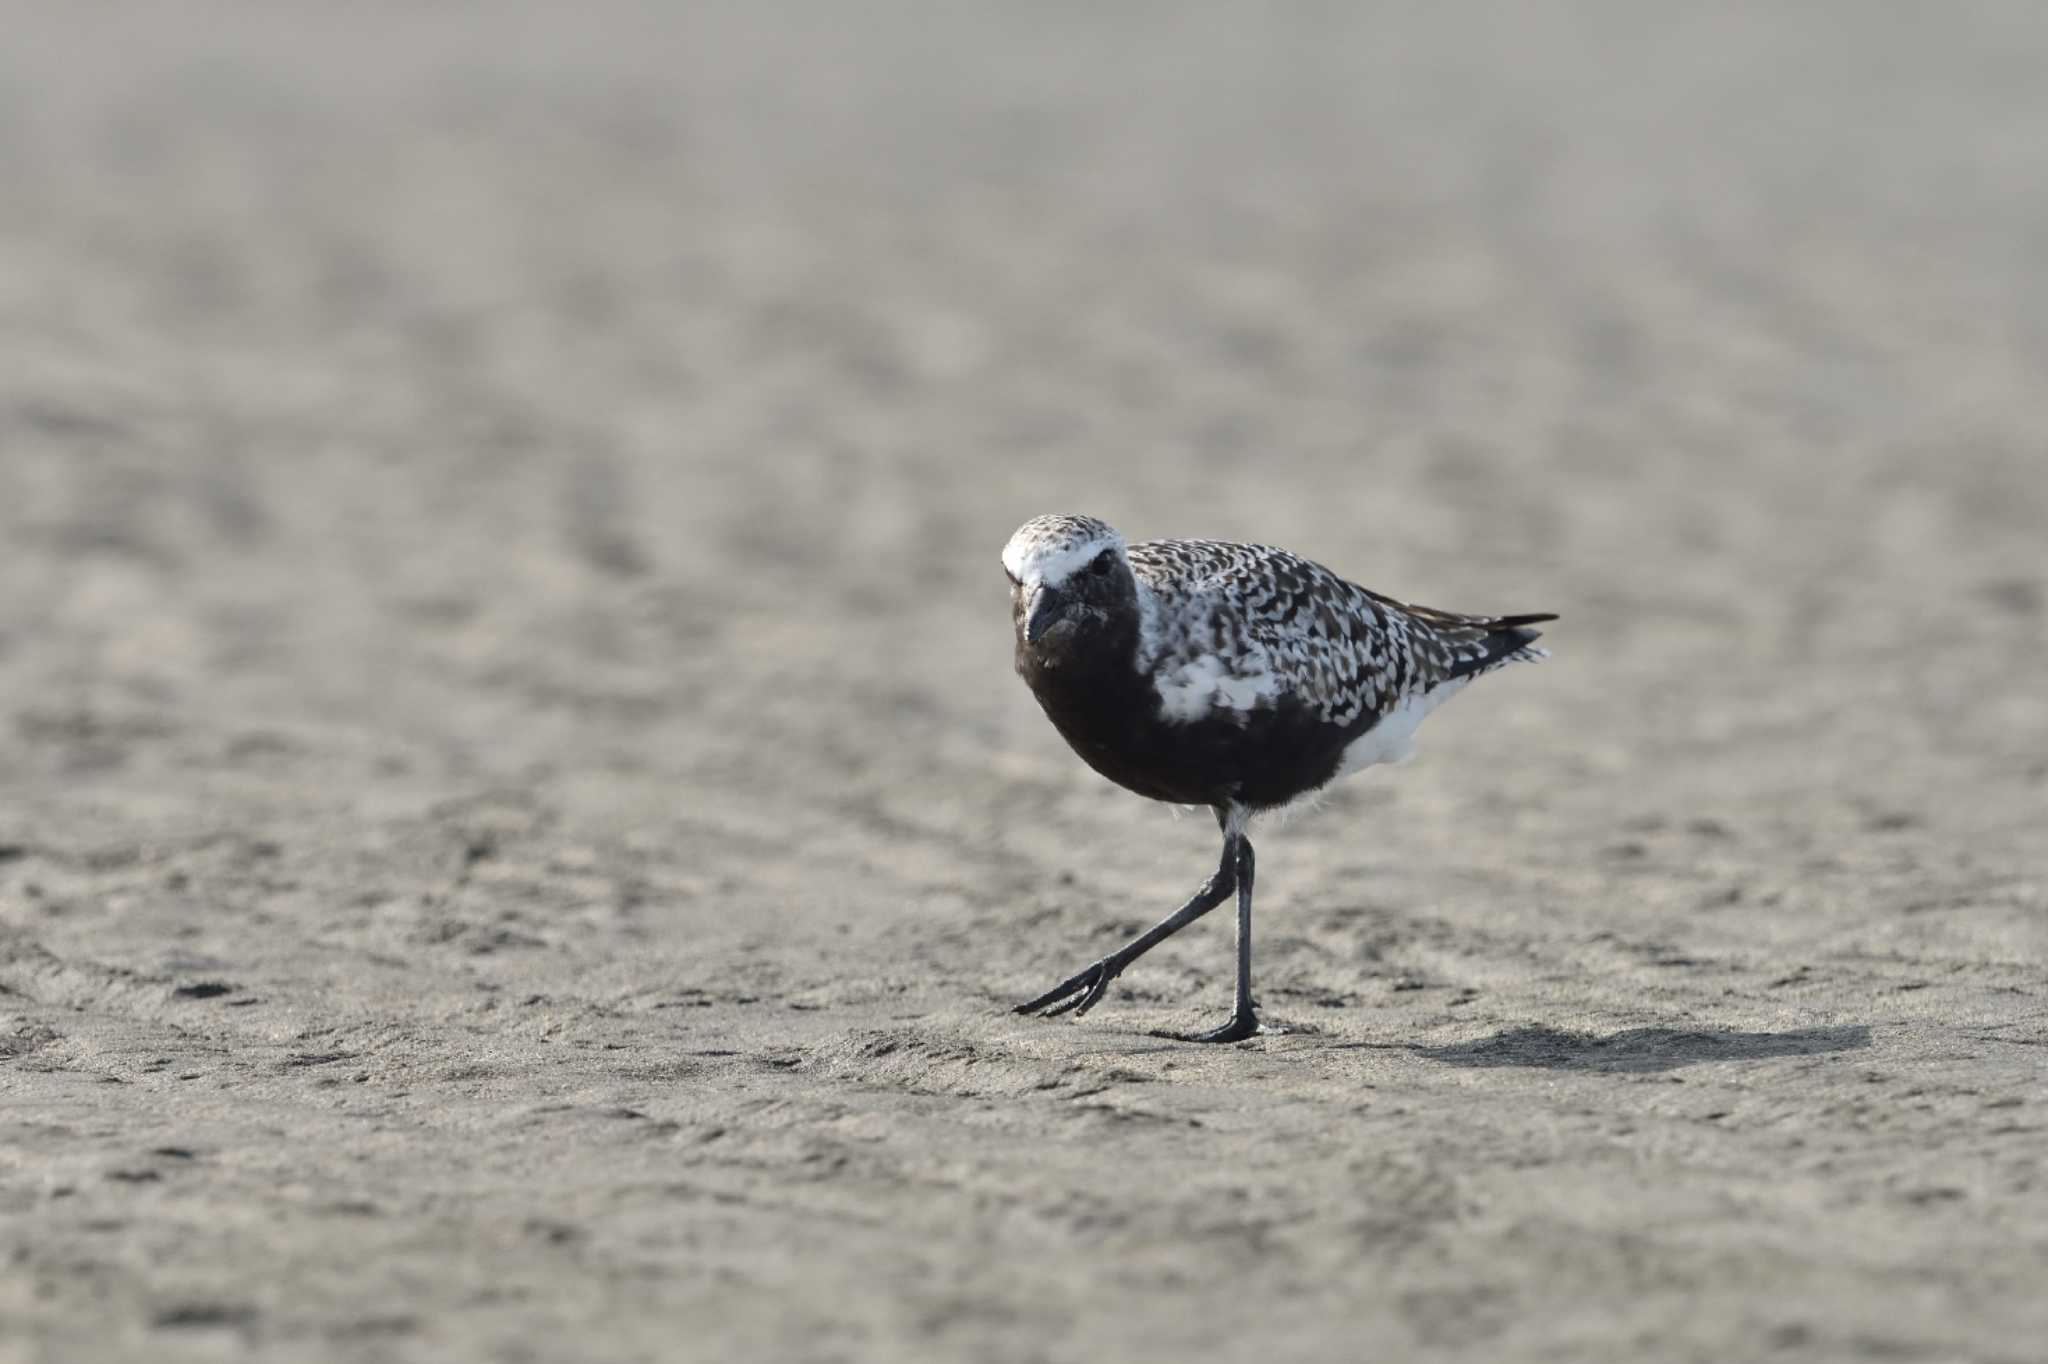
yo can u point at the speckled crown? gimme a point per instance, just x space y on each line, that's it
1048 548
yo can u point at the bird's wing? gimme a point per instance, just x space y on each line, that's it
1238 627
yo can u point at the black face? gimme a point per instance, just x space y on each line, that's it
1098 599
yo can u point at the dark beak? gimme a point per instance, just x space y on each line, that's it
1046 609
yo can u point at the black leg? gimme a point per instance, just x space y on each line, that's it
1244 1020
1084 989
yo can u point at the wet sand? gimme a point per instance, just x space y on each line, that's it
518 833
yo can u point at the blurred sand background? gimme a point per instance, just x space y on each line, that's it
517 829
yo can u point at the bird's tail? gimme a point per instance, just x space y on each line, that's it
1503 639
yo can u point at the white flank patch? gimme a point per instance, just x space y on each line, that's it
1392 740
1204 684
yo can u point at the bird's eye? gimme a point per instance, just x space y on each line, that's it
1104 562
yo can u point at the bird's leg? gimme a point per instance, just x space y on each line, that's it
1244 1020
1083 990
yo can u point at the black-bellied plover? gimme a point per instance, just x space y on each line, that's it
1240 677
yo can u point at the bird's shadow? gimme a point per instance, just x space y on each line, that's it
1636 1050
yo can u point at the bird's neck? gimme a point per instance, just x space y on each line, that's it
1081 674
1145 648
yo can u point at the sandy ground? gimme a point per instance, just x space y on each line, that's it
517 829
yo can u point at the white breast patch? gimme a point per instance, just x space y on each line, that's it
1204 683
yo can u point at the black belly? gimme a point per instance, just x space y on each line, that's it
1258 759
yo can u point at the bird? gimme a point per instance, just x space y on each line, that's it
1240 677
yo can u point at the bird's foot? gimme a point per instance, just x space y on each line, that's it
1243 1024
1078 993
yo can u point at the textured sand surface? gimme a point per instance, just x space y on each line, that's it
517 830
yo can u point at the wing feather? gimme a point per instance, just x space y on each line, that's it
1240 626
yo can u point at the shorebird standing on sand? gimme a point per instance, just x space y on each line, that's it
1240 677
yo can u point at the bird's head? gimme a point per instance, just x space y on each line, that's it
1070 580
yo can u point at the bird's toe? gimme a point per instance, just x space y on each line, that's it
1240 1027
1077 994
